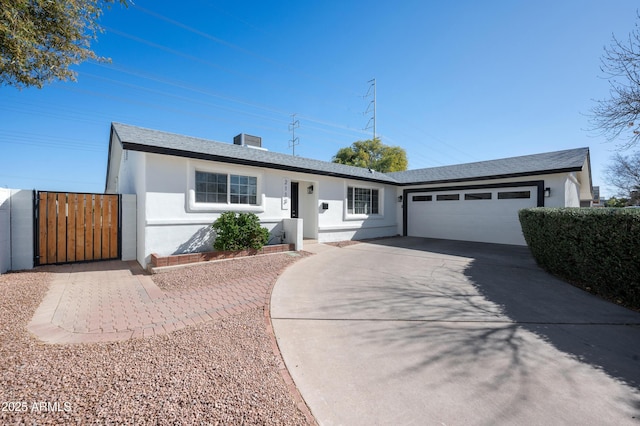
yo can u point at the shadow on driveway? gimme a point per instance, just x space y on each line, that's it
509 283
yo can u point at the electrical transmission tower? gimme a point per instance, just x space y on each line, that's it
371 108
292 128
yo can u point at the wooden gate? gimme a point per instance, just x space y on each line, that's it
74 227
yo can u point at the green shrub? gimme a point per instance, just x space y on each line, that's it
239 232
596 249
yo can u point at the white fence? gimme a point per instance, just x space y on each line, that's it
16 229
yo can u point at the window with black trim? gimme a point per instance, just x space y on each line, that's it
362 200
448 197
211 187
244 189
510 195
422 198
478 196
224 188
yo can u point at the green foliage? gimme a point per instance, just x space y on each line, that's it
239 232
596 249
374 155
617 202
41 39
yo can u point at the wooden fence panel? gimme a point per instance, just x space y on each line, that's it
77 227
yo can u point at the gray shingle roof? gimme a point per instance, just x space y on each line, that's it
549 162
147 140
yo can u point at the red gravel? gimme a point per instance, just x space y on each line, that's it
219 372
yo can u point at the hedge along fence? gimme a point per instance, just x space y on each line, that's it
596 249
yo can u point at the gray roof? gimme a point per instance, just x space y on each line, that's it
536 164
147 140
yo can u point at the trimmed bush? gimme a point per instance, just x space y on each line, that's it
239 231
596 249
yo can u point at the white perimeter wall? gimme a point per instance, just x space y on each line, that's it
5 230
16 229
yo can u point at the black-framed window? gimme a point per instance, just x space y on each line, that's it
478 196
244 189
447 197
510 195
422 198
363 200
224 188
211 187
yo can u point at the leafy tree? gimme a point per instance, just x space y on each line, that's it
374 155
41 39
624 174
619 115
616 202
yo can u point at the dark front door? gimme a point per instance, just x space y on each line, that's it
294 200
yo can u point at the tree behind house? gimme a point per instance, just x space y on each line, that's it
373 154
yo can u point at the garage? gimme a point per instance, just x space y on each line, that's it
473 213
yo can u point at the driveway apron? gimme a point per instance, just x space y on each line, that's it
421 331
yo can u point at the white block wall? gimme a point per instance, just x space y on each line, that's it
5 230
16 229
129 231
21 229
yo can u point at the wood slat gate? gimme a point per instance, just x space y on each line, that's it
74 227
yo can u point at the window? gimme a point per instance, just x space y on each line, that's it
244 189
362 201
478 196
513 194
422 198
212 188
448 197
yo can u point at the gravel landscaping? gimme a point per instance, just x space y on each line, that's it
218 372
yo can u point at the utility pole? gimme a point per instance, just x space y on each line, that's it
292 128
371 107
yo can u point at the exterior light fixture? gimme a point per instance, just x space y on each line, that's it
400 199
310 189
547 192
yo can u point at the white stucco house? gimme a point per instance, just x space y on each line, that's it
182 184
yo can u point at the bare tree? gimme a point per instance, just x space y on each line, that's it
624 174
618 116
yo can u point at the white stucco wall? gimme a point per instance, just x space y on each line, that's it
129 234
16 229
335 224
173 223
571 191
22 249
5 230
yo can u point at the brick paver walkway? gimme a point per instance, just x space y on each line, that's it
115 300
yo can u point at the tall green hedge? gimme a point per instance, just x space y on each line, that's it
597 249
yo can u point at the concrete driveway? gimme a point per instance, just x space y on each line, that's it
419 331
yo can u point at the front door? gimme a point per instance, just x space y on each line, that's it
294 200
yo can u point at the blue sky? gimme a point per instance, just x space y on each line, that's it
456 82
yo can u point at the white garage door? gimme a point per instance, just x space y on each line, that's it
485 215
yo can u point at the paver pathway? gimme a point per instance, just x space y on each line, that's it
115 300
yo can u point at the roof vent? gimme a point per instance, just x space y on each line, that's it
248 140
